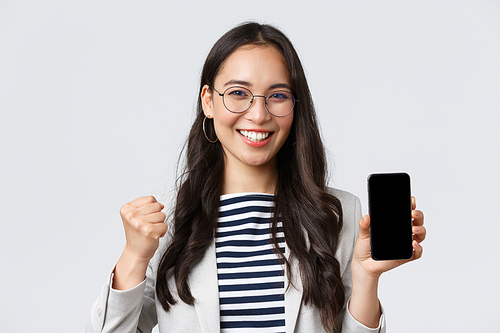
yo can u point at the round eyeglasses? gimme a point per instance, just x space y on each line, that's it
279 103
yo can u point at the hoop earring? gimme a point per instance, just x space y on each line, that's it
204 132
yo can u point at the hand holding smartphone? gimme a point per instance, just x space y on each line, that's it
389 205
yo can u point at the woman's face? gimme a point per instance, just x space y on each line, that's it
260 69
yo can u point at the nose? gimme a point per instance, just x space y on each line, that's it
258 112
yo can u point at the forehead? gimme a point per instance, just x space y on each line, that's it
255 64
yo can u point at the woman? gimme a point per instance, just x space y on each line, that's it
256 239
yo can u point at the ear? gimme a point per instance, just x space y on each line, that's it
206 101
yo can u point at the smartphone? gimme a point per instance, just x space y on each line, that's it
389 206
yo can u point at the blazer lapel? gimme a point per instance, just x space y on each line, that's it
293 295
205 290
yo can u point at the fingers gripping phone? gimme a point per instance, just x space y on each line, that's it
389 205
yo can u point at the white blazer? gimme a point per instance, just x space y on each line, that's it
136 310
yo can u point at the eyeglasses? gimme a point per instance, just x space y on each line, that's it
279 103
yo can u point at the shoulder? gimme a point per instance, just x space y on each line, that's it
343 196
351 206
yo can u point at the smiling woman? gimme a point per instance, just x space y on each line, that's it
252 137
256 240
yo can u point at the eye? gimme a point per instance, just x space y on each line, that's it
239 93
279 96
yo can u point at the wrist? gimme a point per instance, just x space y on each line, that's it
130 270
133 258
364 305
363 278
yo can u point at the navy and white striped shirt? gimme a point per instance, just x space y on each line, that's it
250 275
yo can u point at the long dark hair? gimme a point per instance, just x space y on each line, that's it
312 218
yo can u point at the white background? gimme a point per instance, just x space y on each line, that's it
96 98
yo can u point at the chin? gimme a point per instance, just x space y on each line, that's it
256 163
253 160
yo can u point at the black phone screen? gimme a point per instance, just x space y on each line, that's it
389 202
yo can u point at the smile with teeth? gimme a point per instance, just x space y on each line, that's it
255 136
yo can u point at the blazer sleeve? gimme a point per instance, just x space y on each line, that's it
132 310
352 213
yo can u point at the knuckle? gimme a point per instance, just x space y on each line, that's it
129 215
419 254
124 209
147 230
163 231
135 224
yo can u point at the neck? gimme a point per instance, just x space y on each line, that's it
244 178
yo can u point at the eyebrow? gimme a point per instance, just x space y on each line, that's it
238 82
248 84
280 85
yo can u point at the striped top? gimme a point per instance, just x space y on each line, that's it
251 278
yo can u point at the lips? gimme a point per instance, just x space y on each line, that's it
255 136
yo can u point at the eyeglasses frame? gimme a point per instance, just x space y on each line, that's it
251 101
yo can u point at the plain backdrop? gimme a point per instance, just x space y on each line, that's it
97 97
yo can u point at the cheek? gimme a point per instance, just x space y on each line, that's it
224 121
286 124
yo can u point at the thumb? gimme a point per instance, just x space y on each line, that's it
364 227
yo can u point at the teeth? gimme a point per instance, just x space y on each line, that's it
254 136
